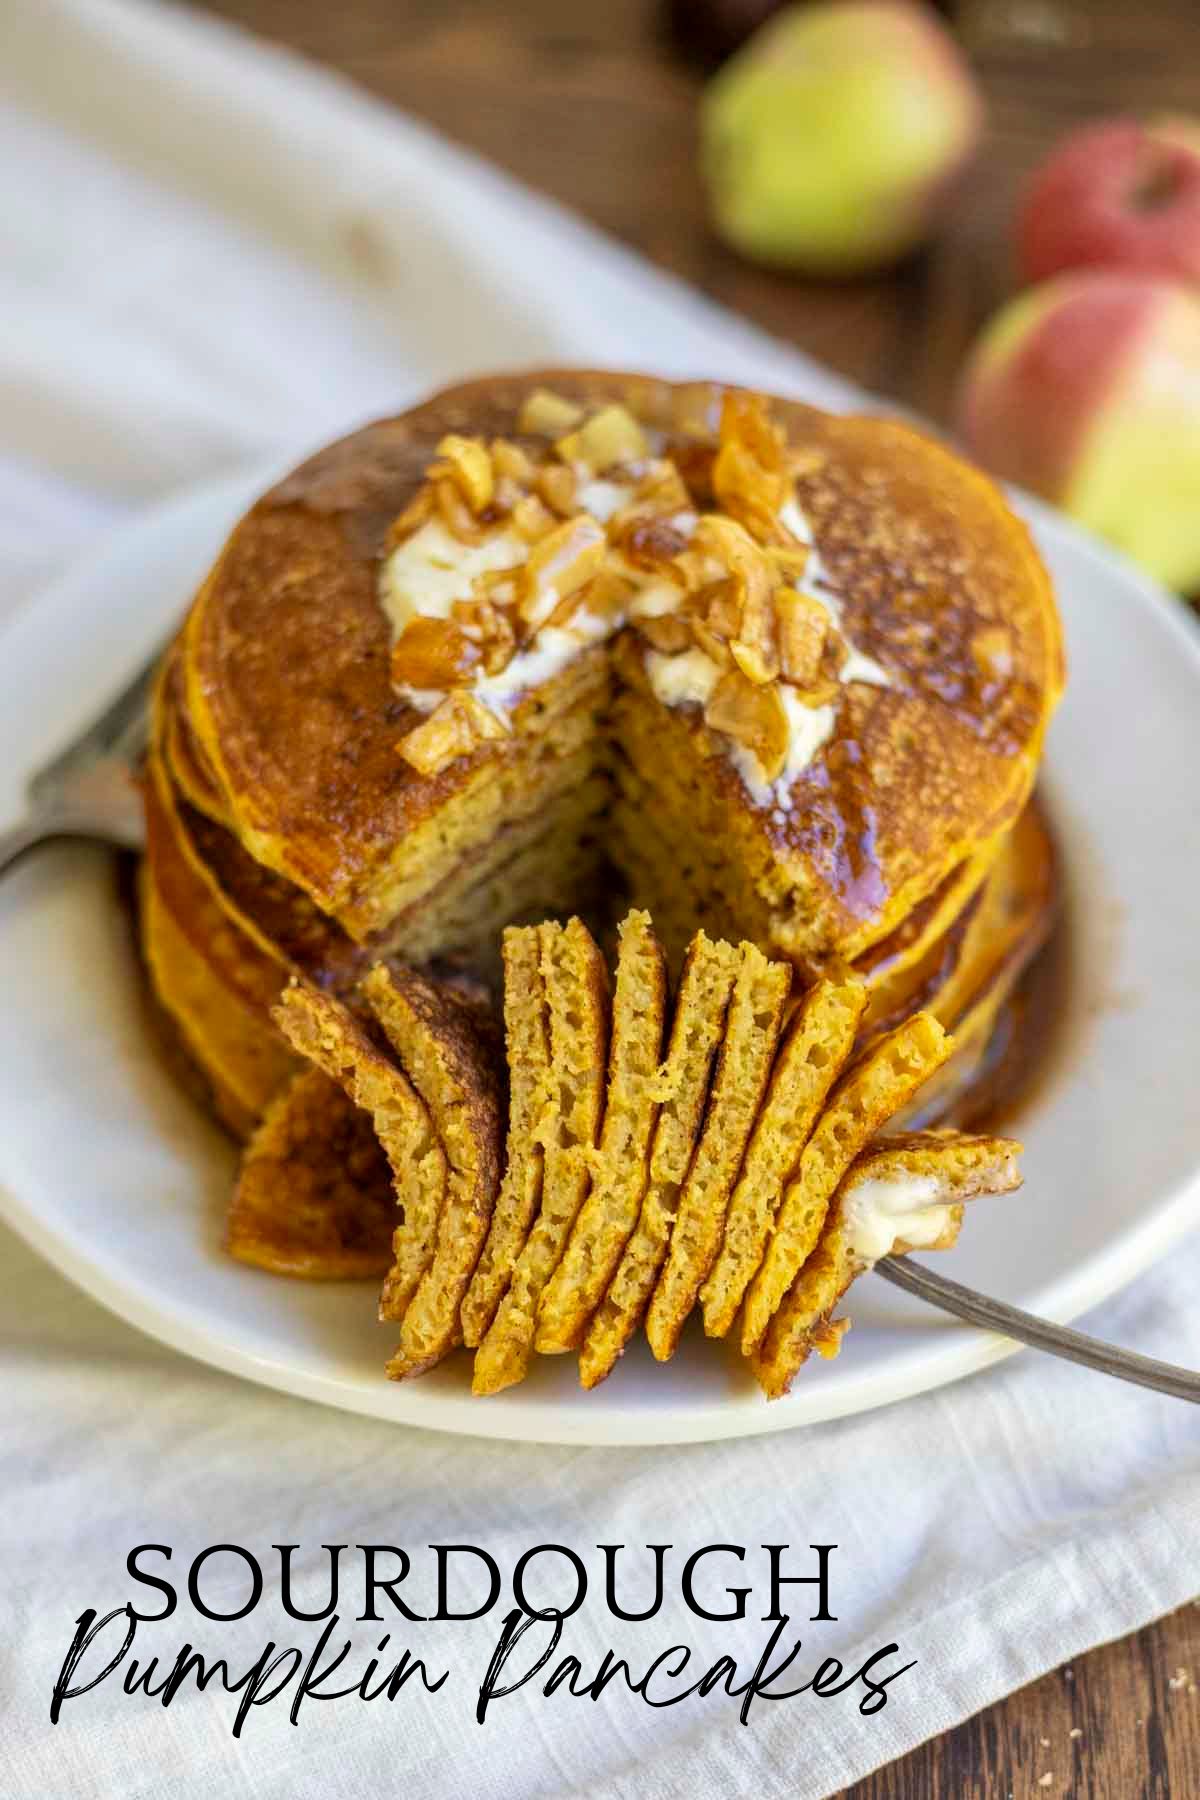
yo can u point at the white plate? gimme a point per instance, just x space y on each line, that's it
112 1174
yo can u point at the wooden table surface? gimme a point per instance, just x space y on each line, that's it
593 105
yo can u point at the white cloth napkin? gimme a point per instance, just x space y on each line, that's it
213 252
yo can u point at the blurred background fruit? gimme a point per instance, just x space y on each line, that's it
831 140
1086 390
602 107
1117 193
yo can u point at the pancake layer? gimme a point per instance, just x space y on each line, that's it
314 1191
701 1007
290 721
621 1163
577 997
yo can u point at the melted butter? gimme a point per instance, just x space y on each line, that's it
430 570
548 655
809 727
684 680
858 666
603 498
882 1211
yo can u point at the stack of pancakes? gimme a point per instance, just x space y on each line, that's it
550 645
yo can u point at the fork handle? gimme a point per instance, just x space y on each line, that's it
23 836
44 827
1027 1328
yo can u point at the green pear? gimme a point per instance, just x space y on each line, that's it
829 140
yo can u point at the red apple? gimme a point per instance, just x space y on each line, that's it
1087 391
1118 194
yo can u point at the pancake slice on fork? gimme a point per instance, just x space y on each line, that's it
904 1193
756 1011
816 1045
527 1039
699 1017
871 1092
621 1164
576 982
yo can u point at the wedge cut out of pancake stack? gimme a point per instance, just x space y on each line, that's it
631 1158
542 649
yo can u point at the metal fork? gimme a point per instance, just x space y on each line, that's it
1039 1334
89 791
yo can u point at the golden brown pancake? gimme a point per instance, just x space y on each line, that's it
527 1040
449 1048
182 992
871 1092
621 1164
701 1008
314 1193
350 1050
576 987
544 855
234 1054
756 1008
215 983
278 920
520 654
288 691
889 960
928 1176
818 1043
1014 916
178 747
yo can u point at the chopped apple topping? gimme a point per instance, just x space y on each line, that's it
510 463
803 625
466 462
667 632
455 514
455 727
433 653
556 486
609 437
508 562
751 478
753 715
490 628
714 645
532 519
559 565
547 415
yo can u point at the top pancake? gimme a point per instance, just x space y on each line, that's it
288 690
